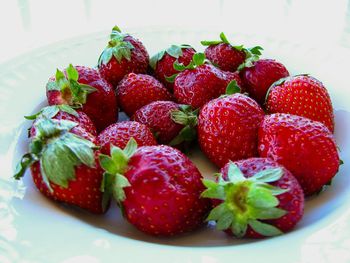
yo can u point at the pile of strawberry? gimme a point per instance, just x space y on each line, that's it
271 134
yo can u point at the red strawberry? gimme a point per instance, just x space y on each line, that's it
259 76
64 112
255 198
123 54
228 128
199 83
63 164
137 90
118 134
226 56
303 96
158 188
83 87
171 122
162 63
305 147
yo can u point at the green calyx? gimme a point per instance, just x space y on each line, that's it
189 119
198 59
117 47
72 92
174 50
58 150
223 39
115 165
246 201
51 111
232 88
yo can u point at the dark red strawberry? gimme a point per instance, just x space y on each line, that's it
65 112
162 62
305 147
199 83
118 134
172 123
259 76
123 54
137 90
158 188
226 56
255 198
83 87
64 164
304 96
228 128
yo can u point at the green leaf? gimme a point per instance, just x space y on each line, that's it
106 189
214 190
268 213
26 161
187 134
239 227
105 56
232 88
107 164
341 162
198 59
119 158
171 79
225 220
59 75
223 38
130 147
234 174
157 57
116 28
52 85
118 190
256 50
261 198
264 229
210 43
273 189
179 67
217 212
72 73
174 51
268 175
66 108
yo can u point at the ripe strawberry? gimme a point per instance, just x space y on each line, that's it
64 112
171 122
226 56
118 134
255 198
301 95
137 90
162 62
83 87
305 147
158 188
228 128
63 164
260 75
199 83
123 54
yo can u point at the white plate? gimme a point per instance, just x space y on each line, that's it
35 229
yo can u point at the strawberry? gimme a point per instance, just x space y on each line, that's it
305 147
63 164
120 133
301 95
162 62
229 57
198 83
123 54
83 87
171 122
157 187
259 76
228 128
255 198
64 112
137 90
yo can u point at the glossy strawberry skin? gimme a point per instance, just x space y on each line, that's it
157 116
304 147
292 201
197 86
303 96
228 128
175 207
258 78
225 57
101 105
137 90
118 134
114 71
84 191
165 67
